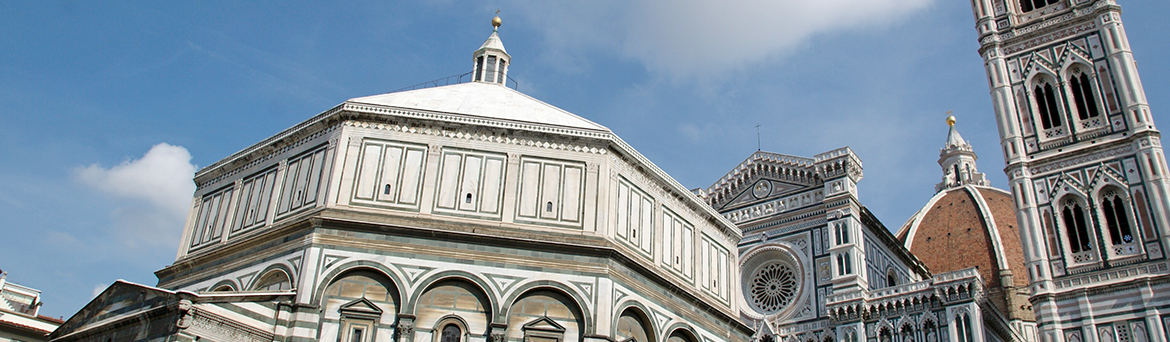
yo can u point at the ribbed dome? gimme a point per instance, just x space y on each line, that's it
968 226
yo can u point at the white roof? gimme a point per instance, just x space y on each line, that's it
482 100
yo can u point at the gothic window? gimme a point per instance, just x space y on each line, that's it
1031 5
1113 208
1044 95
842 231
963 325
1076 227
844 264
891 277
1082 93
908 333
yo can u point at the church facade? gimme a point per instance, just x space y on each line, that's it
471 212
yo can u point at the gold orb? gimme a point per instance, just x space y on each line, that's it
496 21
951 120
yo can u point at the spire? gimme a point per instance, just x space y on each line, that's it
957 159
491 60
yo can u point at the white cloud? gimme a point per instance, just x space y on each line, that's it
162 178
97 290
698 38
151 196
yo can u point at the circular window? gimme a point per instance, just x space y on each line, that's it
772 281
773 287
762 189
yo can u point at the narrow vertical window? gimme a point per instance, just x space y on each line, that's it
1042 108
479 68
500 72
490 73
1075 225
1050 98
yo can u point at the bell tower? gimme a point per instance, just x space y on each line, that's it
1084 163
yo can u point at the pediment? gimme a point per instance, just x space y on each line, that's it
544 324
762 189
361 306
783 174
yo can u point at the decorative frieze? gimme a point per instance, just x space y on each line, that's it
475 136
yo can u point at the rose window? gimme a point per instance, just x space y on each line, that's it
773 287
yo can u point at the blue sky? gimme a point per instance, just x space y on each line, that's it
109 108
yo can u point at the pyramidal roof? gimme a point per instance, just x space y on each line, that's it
482 100
493 42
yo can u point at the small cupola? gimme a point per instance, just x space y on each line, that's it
957 159
491 60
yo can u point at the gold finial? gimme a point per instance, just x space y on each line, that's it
496 21
950 119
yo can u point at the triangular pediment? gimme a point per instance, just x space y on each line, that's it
361 306
761 176
544 324
762 189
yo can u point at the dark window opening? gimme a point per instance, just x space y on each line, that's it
1082 92
1117 220
1031 5
386 190
451 333
1078 230
468 198
548 207
479 68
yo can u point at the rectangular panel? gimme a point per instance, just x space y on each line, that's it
623 210
412 170
314 182
705 264
449 180
550 188
529 188
687 248
245 205
367 171
493 174
724 280
669 245
197 229
221 220
469 187
387 186
634 217
266 197
290 181
571 195
647 216
304 172
212 215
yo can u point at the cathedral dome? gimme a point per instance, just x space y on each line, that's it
968 223
969 226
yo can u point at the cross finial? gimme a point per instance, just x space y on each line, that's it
496 20
950 119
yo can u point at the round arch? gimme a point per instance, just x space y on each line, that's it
359 265
410 305
274 267
224 283
520 291
640 312
682 329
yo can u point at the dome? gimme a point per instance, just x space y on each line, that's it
969 226
968 223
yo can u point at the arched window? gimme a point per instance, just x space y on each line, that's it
1113 208
1082 93
908 333
891 277
930 332
274 280
451 333
842 233
844 264
1045 96
1031 5
1076 226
